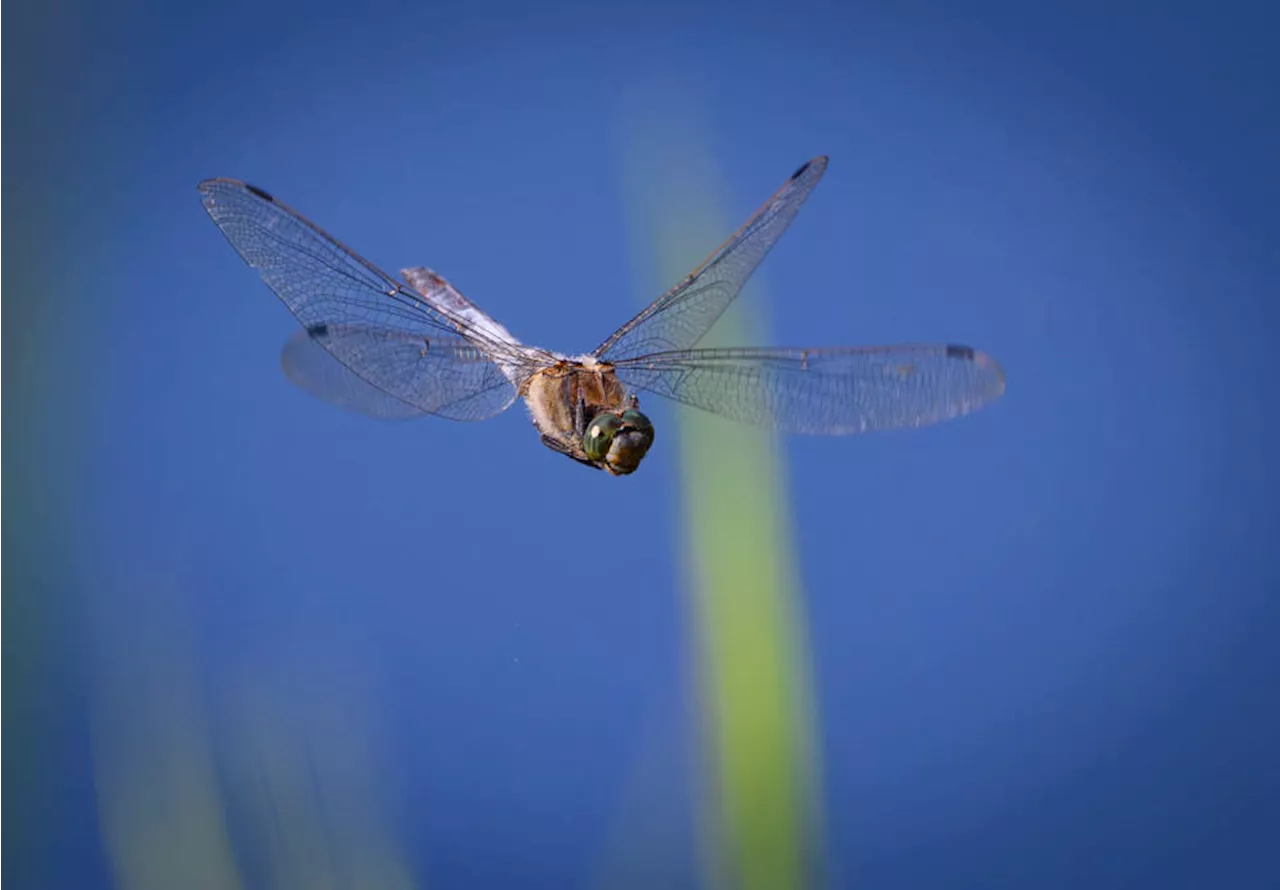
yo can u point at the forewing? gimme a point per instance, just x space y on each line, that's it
836 391
370 323
679 319
433 373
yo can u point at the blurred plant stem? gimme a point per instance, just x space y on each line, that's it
159 801
305 775
40 106
761 824
274 784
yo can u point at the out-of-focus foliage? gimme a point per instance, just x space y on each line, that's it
274 783
35 101
760 821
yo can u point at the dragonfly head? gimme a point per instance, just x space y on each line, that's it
618 442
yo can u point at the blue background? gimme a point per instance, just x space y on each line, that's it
1043 638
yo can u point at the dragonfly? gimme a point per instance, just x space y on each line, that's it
399 348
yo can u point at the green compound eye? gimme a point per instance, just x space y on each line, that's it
639 422
599 435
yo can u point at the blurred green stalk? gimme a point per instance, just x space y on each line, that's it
46 377
757 718
761 824
277 788
160 806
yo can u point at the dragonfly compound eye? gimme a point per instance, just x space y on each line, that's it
639 423
630 443
599 435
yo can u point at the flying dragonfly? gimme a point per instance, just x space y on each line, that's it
397 348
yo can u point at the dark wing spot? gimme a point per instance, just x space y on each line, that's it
253 189
800 172
960 352
318 331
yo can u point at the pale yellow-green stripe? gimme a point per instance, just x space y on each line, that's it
760 820
290 744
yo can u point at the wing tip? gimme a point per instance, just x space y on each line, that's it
207 187
982 360
818 165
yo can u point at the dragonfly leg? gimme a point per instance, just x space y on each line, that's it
555 445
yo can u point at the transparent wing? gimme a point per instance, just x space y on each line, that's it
312 368
835 391
404 364
679 319
369 322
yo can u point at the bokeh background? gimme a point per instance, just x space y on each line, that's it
251 641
